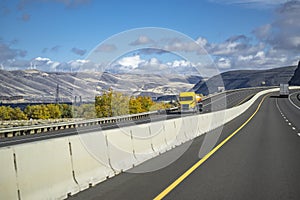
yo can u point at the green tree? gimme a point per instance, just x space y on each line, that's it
85 111
66 111
119 104
88 111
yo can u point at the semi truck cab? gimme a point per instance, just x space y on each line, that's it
190 102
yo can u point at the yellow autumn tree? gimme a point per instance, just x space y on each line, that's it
54 111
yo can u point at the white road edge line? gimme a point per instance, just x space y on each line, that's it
292 101
285 117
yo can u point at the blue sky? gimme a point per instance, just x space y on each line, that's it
66 30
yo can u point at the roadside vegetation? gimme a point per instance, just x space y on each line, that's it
107 105
115 104
47 111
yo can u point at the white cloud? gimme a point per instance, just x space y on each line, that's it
181 63
40 59
131 61
223 63
260 54
283 32
177 45
42 63
154 61
274 44
135 64
46 64
294 41
82 61
245 58
142 40
153 66
78 63
81 65
202 41
263 32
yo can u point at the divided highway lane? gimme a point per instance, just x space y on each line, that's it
260 162
294 98
290 109
228 99
219 102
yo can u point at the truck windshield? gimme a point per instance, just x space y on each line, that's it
190 98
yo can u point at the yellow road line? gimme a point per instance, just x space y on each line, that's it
201 161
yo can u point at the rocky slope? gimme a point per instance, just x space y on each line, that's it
295 80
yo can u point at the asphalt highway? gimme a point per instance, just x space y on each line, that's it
256 157
215 103
228 99
294 98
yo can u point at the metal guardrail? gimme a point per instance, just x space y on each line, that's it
235 90
35 129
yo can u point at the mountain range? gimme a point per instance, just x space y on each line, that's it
38 86
245 78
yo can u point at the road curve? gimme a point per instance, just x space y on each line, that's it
294 99
260 162
218 102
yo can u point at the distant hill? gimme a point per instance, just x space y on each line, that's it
245 78
295 80
38 86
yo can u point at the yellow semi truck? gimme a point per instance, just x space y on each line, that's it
190 102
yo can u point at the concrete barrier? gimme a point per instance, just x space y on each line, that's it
120 148
44 170
204 122
90 163
8 175
181 136
171 131
56 168
142 143
190 125
158 137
